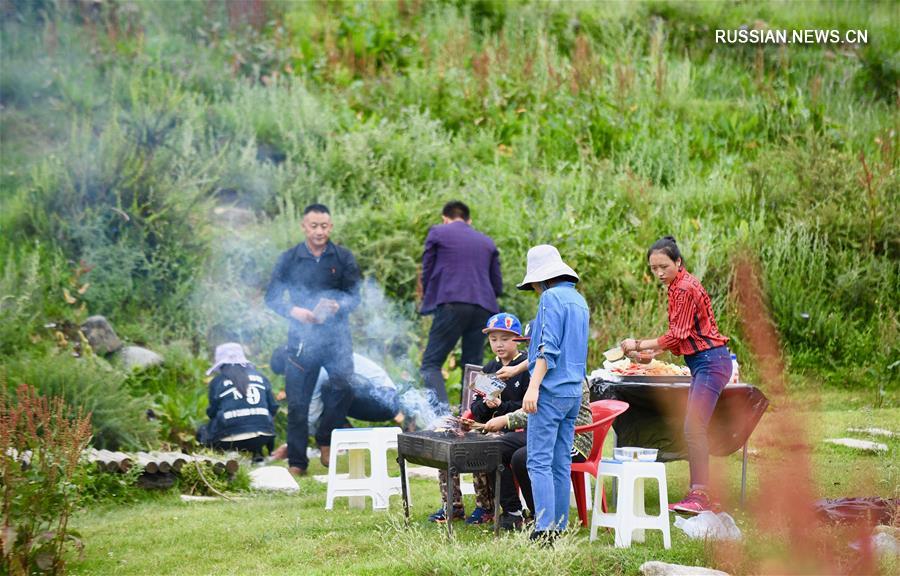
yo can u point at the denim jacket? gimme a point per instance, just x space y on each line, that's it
559 335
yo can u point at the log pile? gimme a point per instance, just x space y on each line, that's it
158 468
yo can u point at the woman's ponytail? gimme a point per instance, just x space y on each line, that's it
667 246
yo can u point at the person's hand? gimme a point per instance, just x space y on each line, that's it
281 395
628 345
530 401
303 315
507 372
491 402
331 305
644 356
495 424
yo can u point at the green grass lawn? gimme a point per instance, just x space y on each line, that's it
278 534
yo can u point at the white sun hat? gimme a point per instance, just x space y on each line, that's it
229 353
544 263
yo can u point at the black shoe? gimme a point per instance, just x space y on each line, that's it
511 521
543 538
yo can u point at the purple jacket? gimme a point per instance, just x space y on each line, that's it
460 264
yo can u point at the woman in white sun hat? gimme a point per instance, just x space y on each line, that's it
557 358
241 405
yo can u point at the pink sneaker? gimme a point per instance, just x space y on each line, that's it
695 502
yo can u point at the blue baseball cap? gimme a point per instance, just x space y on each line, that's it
503 322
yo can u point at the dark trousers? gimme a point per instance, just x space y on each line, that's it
300 376
252 445
519 464
509 495
372 404
451 322
710 372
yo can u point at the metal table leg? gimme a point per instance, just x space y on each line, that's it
744 473
448 507
497 474
403 487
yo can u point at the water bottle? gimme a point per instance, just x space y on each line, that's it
735 370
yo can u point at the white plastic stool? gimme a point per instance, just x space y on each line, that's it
378 485
629 519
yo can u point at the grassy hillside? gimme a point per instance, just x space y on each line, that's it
154 161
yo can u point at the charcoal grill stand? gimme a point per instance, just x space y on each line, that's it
448 508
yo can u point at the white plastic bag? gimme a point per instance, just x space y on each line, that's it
708 525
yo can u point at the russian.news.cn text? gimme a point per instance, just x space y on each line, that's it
810 36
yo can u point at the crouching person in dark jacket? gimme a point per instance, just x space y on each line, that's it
241 405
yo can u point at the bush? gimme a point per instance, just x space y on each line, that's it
40 444
834 308
100 486
37 293
177 392
202 479
119 419
596 128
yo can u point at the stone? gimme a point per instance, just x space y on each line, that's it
656 568
233 216
864 445
874 432
100 335
273 478
136 357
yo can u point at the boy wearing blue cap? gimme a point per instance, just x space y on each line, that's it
502 330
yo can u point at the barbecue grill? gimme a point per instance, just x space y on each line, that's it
455 452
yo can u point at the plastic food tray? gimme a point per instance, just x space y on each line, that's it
628 453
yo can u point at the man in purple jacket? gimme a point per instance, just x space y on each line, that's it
460 283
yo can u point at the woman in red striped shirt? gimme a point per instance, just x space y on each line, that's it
693 333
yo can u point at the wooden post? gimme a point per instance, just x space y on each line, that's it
147 463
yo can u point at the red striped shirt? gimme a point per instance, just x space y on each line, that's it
692 326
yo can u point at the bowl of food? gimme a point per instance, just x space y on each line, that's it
644 356
635 453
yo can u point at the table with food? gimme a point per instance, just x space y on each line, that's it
657 393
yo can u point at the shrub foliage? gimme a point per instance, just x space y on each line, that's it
41 441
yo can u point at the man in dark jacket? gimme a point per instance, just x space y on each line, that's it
460 283
322 282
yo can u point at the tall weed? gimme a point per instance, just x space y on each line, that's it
41 441
118 419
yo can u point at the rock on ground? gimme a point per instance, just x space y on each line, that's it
656 568
275 478
873 432
136 357
858 444
234 216
100 335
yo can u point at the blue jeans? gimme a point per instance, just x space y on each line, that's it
710 373
551 433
